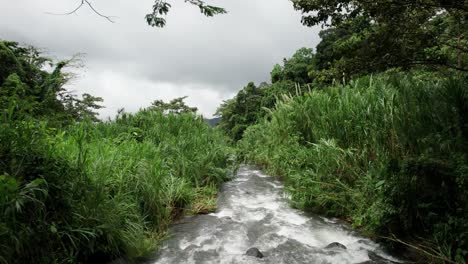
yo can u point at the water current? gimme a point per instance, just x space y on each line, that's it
253 211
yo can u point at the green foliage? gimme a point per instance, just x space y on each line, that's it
93 192
28 90
375 152
337 11
295 69
89 192
252 103
84 108
161 8
175 106
372 36
241 111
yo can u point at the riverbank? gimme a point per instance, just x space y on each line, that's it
93 192
385 152
254 213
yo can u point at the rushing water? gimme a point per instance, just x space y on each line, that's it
253 212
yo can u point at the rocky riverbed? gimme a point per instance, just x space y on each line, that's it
255 224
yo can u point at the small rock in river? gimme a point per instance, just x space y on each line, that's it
335 245
254 252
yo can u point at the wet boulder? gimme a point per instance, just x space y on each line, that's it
336 245
254 252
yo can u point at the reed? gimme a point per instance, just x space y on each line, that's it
388 153
93 192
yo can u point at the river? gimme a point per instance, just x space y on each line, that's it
253 212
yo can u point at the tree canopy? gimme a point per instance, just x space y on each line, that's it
28 89
335 12
175 106
296 68
371 36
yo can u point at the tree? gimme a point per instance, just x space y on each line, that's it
296 68
251 104
277 73
156 18
241 111
175 106
84 108
348 49
27 89
396 33
275 91
334 12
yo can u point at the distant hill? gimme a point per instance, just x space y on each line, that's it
213 121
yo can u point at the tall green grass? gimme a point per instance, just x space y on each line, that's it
93 192
388 153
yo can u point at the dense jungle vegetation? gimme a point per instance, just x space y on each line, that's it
73 189
372 125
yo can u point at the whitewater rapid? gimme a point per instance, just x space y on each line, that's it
253 212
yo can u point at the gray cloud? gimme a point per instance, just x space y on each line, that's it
130 64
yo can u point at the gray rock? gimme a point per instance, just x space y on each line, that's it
254 252
335 245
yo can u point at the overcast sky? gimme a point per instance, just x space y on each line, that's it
130 64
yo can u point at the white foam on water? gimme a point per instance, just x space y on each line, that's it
223 213
254 212
239 179
260 174
298 234
348 257
290 216
234 242
329 220
270 241
275 185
